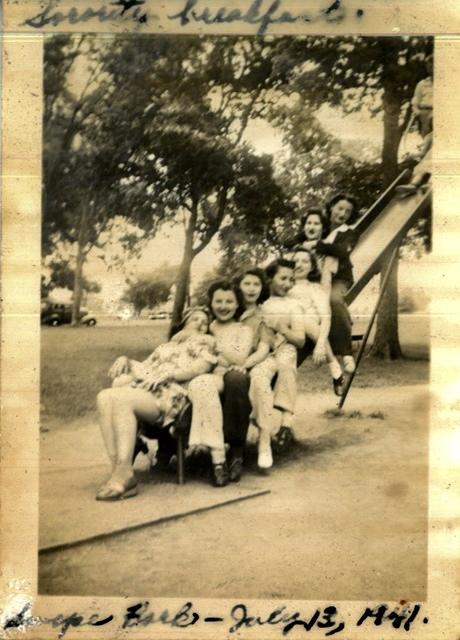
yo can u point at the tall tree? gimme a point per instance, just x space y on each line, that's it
81 188
189 162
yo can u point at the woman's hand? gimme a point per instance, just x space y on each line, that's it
240 368
153 382
222 361
309 244
120 366
319 353
282 326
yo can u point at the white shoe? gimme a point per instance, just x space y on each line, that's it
265 457
348 364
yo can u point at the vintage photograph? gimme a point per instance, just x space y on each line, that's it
235 328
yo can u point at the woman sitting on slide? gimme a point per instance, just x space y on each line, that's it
240 347
338 241
316 311
150 392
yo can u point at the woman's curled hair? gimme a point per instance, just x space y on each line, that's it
349 198
258 273
226 285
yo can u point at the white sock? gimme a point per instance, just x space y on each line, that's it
349 364
287 418
265 458
218 456
335 368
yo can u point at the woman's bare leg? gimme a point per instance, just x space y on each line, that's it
128 405
119 409
104 409
312 332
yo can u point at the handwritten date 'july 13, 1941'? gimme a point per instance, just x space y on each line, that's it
260 14
404 617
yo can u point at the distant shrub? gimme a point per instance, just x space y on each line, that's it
411 300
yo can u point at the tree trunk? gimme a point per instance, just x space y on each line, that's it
391 137
81 256
183 277
386 342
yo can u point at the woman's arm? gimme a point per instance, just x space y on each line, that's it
199 367
258 356
340 248
294 337
122 365
290 243
293 329
323 307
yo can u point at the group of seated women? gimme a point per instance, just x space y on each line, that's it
235 359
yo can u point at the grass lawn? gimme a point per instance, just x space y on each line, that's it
74 364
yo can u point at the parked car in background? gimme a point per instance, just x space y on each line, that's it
57 313
159 315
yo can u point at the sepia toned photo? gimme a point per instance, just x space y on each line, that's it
236 238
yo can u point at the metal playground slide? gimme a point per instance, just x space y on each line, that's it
381 229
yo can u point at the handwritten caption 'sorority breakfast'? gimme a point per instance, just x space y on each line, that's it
405 617
260 15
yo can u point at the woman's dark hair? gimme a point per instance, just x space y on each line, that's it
274 266
343 196
258 273
317 211
315 273
226 285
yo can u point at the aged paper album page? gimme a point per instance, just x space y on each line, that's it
152 149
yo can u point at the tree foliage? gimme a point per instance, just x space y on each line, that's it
188 161
154 132
150 290
62 275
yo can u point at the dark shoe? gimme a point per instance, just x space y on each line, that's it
220 475
236 469
163 462
139 447
405 191
283 439
338 385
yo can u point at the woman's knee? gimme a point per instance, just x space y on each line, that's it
104 397
198 384
338 292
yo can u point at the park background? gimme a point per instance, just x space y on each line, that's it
171 161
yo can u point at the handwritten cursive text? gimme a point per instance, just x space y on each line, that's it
104 13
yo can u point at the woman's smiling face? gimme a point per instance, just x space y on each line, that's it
224 305
251 288
313 227
341 212
303 264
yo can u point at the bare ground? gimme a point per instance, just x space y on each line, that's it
346 518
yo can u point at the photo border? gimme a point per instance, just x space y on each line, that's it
20 358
